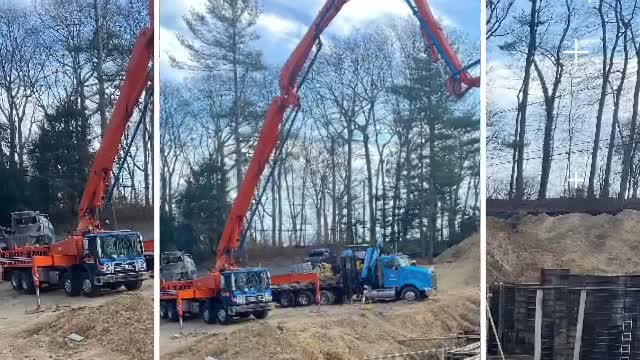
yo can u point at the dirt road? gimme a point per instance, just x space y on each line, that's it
110 323
342 331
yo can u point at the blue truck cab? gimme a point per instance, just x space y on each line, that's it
398 273
113 259
245 292
387 276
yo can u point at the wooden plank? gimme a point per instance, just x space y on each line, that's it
537 350
578 343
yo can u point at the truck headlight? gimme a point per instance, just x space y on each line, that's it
239 299
268 297
106 268
142 265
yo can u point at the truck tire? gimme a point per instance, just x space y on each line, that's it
163 310
286 299
132 285
327 297
16 280
304 298
172 312
208 312
72 285
260 314
89 288
222 315
28 286
410 293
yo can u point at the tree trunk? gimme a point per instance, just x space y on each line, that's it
533 27
279 177
334 194
606 71
615 121
433 198
348 183
372 208
102 103
628 148
274 208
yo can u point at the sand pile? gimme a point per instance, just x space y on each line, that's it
352 335
459 266
123 327
603 244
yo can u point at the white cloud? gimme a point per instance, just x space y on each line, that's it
280 28
169 45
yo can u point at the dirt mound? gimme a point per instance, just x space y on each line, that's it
459 266
603 244
467 250
350 334
123 326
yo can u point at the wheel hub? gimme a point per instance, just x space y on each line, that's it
410 296
86 286
222 315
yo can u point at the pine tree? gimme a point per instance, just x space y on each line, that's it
203 205
220 40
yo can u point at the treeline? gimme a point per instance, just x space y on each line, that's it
378 151
61 66
569 124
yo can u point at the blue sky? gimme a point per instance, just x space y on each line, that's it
283 22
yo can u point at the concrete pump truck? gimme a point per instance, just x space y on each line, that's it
231 291
91 258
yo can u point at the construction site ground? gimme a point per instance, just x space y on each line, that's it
338 332
116 325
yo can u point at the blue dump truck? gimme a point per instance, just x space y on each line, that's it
360 271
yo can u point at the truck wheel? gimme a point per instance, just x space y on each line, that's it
72 287
163 310
260 314
410 293
132 285
208 312
327 297
222 315
304 298
16 281
89 289
27 283
286 299
172 312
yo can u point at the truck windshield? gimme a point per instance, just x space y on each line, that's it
251 281
120 245
403 261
